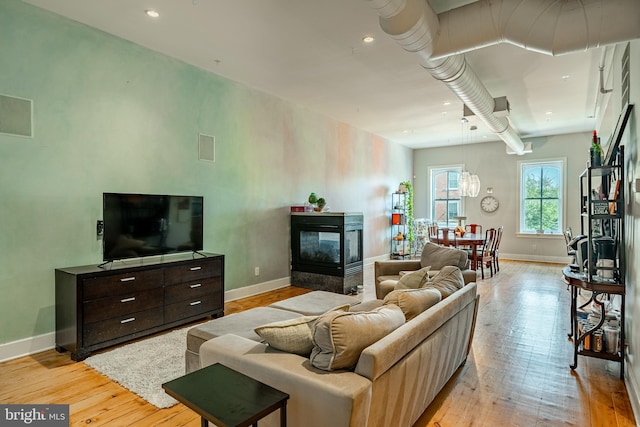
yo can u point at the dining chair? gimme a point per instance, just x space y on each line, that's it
473 228
495 249
446 237
483 253
421 234
568 236
433 230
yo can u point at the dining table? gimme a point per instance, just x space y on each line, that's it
473 240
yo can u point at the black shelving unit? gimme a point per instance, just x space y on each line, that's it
602 222
400 248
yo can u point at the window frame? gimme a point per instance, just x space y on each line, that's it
554 162
433 170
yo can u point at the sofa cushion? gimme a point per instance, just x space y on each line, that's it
413 301
340 337
315 303
447 281
413 280
438 256
292 336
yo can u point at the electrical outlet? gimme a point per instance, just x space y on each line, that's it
257 271
533 247
99 228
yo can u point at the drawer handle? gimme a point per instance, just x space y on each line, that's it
128 279
195 268
128 299
131 319
195 303
197 285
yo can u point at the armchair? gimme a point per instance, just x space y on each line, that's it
387 273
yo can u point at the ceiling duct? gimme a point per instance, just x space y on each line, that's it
547 26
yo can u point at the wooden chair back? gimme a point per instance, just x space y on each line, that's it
446 237
489 240
473 228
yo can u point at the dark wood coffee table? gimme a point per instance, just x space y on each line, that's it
226 397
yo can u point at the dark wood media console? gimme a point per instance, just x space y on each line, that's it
100 307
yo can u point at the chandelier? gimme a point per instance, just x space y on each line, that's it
468 185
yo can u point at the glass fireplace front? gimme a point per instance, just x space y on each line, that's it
326 244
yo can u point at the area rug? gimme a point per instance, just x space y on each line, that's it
143 366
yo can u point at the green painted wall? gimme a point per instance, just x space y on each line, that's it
111 116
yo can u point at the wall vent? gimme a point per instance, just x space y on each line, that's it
16 116
206 147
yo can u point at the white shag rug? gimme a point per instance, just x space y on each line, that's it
143 366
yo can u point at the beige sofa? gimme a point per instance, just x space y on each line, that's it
394 379
387 273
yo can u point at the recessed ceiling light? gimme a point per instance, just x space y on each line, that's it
446 103
548 113
566 77
152 13
368 39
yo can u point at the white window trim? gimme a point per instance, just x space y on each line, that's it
563 221
430 171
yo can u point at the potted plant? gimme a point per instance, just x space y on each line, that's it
409 192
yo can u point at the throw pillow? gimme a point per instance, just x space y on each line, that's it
340 337
438 256
413 280
293 335
447 281
413 301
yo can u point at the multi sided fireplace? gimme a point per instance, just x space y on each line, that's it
326 251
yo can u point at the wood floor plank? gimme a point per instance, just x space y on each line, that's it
517 373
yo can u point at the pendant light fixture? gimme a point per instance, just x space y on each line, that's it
468 185
474 180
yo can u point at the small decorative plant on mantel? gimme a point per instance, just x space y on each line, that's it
318 203
409 206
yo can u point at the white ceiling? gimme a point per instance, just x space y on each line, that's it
311 54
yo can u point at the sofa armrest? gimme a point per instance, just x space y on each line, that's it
313 393
469 276
394 267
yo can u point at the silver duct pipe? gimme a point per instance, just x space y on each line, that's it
415 26
548 26
454 72
551 27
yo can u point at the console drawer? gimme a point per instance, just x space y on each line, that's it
194 307
117 284
191 290
122 305
123 325
193 270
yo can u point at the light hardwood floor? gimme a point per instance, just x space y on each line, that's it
517 373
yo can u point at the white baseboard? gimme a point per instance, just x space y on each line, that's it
27 346
536 258
259 288
632 389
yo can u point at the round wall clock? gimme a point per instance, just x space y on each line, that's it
489 204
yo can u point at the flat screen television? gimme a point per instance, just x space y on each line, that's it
139 225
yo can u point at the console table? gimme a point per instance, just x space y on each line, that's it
227 397
100 307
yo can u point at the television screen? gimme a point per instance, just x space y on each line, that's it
138 225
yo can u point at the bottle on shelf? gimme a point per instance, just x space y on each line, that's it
595 152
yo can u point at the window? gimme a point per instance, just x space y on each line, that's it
542 196
446 203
